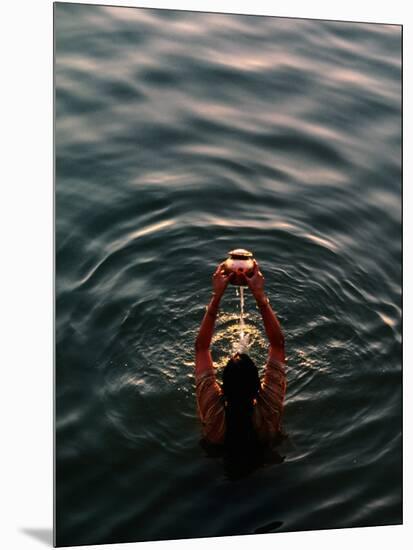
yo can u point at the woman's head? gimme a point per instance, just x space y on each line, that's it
240 378
241 384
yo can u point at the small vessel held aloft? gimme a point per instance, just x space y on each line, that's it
240 262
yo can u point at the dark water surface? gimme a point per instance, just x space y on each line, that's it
180 136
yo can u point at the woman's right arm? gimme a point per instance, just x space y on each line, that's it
274 383
271 323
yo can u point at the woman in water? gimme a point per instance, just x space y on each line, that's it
243 415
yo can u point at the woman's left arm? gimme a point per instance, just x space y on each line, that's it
203 359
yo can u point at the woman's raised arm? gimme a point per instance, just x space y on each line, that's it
271 322
203 360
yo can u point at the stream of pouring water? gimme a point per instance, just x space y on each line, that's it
242 345
241 317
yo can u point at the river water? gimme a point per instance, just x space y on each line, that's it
180 136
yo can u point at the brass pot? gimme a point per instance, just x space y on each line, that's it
241 263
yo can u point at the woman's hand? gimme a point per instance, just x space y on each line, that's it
256 283
220 280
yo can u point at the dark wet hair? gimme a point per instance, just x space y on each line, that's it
240 379
241 384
